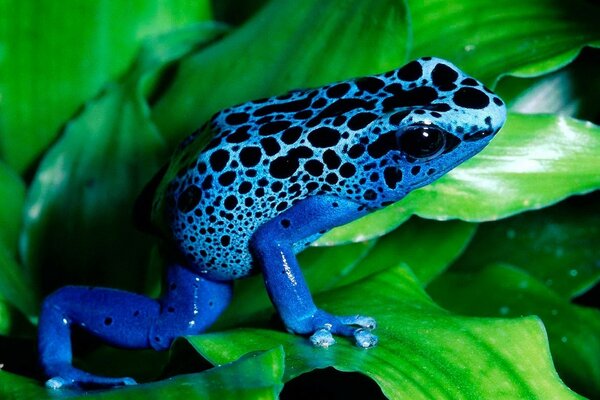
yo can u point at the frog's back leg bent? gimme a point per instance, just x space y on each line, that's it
189 305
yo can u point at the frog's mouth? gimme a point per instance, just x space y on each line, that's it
479 135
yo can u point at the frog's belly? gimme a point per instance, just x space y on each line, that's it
224 262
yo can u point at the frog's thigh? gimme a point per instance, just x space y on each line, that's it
272 248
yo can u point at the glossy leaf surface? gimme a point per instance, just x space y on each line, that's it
502 291
261 372
443 356
558 246
56 55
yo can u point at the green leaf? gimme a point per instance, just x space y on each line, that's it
15 285
568 91
17 387
5 318
368 227
78 225
562 241
573 331
12 197
286 45
424 352
54 55
252 377
425 247
79 205
489 40
324 266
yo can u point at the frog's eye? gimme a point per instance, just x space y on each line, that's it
421 141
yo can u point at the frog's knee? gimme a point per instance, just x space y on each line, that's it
189 306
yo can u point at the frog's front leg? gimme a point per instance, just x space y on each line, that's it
272 247
189 305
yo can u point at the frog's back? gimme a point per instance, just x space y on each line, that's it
337 140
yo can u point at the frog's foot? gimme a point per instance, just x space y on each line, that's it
324 325
69 376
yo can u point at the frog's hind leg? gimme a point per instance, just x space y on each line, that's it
188 306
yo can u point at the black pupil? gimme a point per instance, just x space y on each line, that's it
421 141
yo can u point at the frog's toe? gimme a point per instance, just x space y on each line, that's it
57 383
357 326
359 320
365 338
322 338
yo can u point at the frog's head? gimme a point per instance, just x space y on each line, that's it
435 117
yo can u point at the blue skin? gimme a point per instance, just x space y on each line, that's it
278 173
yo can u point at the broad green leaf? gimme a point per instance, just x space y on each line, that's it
55 55
572 91
286 45
489 40
17 387
573 331
12 197
558 246
15 285
424 352
425 247
322 268
368 227
255 376
5 318
78 226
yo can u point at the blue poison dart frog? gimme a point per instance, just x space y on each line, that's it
277 174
